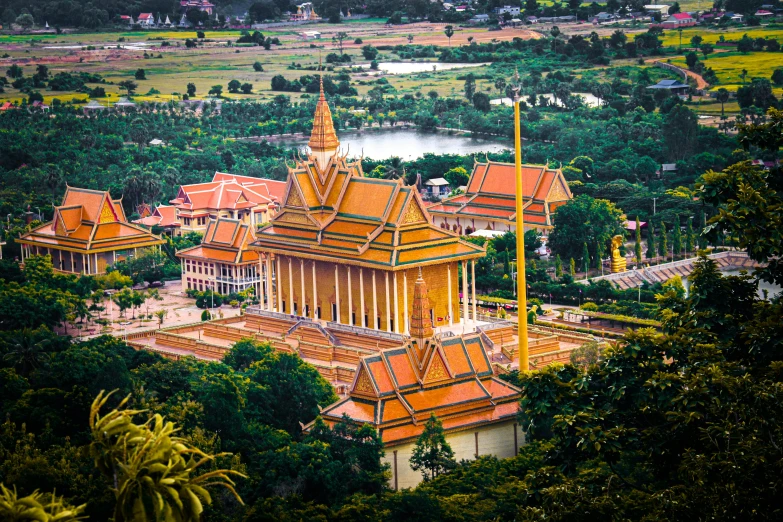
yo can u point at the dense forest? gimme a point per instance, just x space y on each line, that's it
679 425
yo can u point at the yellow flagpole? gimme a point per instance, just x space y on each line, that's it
524 363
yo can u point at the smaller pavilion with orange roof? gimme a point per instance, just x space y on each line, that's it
398 389
490 198
223 260
88 233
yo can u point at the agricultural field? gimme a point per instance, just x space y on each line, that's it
671 38
729 66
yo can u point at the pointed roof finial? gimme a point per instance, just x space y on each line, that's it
323 137
421 320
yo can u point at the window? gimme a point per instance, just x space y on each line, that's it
334 312
284 307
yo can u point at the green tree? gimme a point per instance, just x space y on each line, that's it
706 49
584 220
234 85
638 243
663 242
155 473
432 454
585 258
470 86
257 67
129 86
25 21
449 32
722 96
696 41
681 132
690 238
558 267
247 88
191 87
369 52
750 200
676 237
457 177
572 267
339 38
702 239
140 74
38 507
28 350
123 299
216 90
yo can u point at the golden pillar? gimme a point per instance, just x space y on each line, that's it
524 363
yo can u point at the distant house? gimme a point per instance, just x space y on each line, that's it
602 18
661 9
157 143
201 5
513 10
310 35
673 86
40 106
668 168
479 19
566 18
531 20
763 13
678 20
437 187
146 20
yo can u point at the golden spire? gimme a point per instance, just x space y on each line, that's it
421 322
323 137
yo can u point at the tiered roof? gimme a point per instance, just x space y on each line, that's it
228 192
332 212
89 220
398 389
491 194
162 216
225 241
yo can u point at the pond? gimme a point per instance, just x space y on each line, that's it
407 144
414 67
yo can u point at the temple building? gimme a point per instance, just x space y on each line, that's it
347 248
489 203
88 233
398 389
222 261
250 200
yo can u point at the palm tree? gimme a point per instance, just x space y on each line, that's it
449 32
153 471
722 96
27 353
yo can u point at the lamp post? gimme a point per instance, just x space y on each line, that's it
524 363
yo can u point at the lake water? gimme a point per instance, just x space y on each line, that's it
414 67
407 144
589 99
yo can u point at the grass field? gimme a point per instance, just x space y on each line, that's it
672 37
729 66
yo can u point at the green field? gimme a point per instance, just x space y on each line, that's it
672 37
729 66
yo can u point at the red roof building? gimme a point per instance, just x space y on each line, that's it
678 20
489 203
251 200
398 389
88 233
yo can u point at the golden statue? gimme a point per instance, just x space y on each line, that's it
618 260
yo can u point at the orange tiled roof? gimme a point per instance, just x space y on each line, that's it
332 212
228 192
89 221
226 241
491 193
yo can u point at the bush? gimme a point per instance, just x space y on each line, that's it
205 315
257 67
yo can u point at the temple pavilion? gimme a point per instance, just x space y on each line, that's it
88 233
489 201
397 390
347 248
